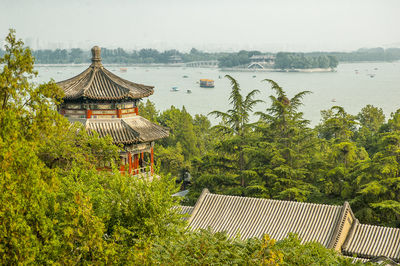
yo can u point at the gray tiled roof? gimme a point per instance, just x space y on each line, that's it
127 130
254 217
116 128
333 226
146 130
185 209
370 241
97 83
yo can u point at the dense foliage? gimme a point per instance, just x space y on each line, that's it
369 54
232 59
346 157
304 61
119 56
242 59
57 208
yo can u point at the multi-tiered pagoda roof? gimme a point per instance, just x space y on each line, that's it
97 83
108 104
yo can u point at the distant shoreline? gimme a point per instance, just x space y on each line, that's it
307 70
294 70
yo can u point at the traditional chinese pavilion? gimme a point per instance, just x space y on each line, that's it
108 105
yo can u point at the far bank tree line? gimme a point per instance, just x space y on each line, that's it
346 157
235 59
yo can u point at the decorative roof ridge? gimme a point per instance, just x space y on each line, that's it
198 204
350 235
339 227
137 134
96 57
138 117
80 76
93 74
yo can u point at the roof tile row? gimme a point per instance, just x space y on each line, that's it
127 130
253 217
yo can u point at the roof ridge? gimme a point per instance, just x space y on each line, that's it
137 134
138 117
350 235
93 74
340 225
198 204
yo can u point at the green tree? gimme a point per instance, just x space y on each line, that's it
285 146
32 207
377 180
148 110
235 126
336 124
371 119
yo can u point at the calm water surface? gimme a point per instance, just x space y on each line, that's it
344 87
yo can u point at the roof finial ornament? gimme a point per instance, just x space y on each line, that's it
96 56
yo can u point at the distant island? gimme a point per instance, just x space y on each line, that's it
281 61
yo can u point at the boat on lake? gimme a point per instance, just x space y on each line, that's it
123 69
185 77
189 91
174 89
206 83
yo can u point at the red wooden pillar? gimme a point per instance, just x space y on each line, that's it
137 110
151 160
88 113
130 162
119 113
142 157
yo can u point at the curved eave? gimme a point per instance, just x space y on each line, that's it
97 83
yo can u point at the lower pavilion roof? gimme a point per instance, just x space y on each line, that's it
369 241
254 217
127 130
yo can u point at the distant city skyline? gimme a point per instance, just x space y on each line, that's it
214 26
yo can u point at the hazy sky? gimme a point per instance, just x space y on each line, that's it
268 25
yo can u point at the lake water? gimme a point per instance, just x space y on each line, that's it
344 87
